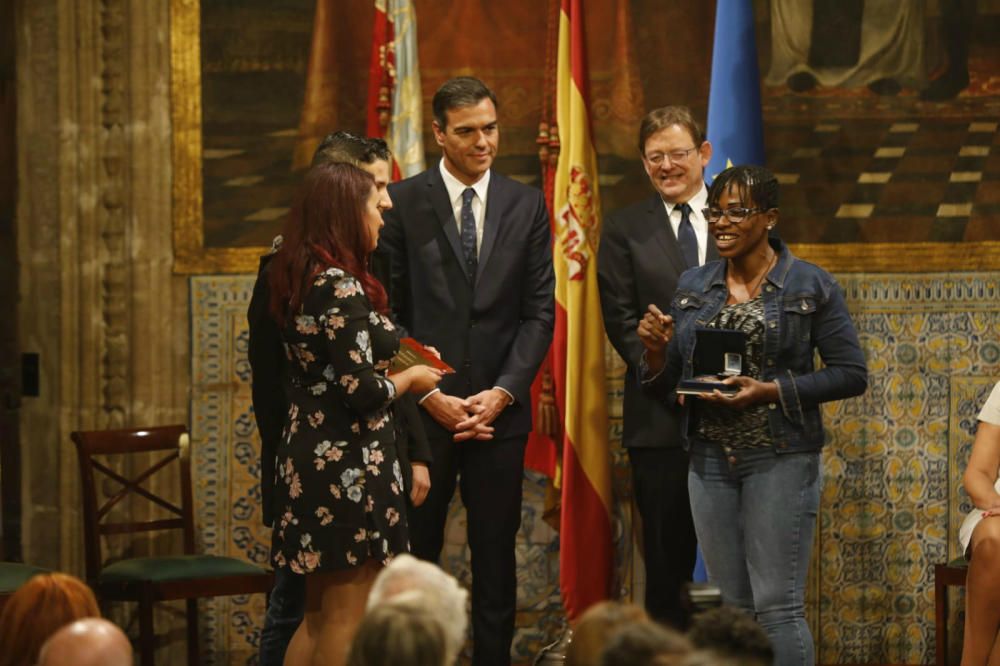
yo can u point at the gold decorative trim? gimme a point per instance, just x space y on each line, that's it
190 254
901 257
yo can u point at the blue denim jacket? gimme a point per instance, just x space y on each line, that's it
804 310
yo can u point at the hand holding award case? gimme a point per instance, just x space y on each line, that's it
718 353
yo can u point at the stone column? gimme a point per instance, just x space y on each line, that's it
98 299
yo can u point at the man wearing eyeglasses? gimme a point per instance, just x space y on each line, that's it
644 249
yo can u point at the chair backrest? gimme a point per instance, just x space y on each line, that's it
174 443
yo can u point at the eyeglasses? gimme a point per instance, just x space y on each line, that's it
735 215
675 156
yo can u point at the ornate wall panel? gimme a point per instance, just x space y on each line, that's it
892 498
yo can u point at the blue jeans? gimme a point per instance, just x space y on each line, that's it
285 608
755 513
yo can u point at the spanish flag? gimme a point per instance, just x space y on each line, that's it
586 551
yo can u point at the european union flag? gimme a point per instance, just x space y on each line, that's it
735 128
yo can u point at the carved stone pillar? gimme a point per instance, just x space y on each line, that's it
98 301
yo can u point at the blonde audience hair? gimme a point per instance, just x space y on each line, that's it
39 608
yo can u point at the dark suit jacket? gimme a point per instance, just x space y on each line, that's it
497 332
638 264
267 365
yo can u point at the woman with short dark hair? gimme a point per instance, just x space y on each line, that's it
754 446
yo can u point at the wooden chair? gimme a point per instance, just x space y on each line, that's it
146 580
12 576
945 576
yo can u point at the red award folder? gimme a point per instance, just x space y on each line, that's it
413 353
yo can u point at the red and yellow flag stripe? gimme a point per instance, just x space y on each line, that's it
586 551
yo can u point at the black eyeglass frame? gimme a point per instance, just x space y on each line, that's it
669 156
710 218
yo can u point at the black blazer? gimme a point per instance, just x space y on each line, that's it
638 263
270 405
494 330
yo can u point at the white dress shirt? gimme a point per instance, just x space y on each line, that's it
455 189
697 202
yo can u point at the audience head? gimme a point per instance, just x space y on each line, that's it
445 598
730 632
595 626
39 608
713 658
333 222
88 642
401 631
645 644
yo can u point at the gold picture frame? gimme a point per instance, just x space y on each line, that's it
190 254
192 257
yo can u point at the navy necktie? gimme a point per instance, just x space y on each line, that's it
468 223
686 238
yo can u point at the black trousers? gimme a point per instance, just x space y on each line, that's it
659 480
489 475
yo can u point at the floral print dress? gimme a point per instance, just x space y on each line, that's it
339 495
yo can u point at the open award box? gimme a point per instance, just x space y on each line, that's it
718 353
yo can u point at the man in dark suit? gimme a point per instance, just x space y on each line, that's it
267 362
644 249
472 276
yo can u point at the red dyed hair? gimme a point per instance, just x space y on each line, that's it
324 229
38 609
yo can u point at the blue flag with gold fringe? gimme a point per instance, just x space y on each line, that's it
735 127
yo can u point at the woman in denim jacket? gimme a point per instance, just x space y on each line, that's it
755 454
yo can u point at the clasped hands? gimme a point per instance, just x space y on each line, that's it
656 330
468 418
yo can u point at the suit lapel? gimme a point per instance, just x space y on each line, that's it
491 223
664 234
438 195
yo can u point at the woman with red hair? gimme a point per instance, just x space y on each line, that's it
38 609
339 502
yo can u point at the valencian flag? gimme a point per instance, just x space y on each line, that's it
735 128
585 557
394 101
